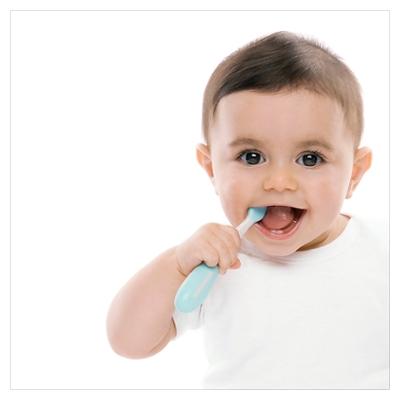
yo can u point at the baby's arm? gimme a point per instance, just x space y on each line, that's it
139 322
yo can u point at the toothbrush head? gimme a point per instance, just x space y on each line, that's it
256 214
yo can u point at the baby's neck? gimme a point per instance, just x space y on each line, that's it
327 237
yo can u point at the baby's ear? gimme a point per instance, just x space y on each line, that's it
204 159
361 164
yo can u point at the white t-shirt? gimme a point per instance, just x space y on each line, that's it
317 319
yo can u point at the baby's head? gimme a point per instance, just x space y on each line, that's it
282 123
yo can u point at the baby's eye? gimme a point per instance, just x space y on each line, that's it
311 159
251 157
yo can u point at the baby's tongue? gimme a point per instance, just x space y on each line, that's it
278 217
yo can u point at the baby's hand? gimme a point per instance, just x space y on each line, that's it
213 244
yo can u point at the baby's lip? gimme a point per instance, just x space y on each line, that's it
299 211
286 205
296 208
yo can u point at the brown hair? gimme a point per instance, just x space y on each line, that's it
284 60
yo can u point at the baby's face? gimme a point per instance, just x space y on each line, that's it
289 149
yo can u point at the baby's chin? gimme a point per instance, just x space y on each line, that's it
263 251
280 252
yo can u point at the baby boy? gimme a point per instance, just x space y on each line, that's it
302 300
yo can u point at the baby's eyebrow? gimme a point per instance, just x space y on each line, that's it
315 142
258 143
245 141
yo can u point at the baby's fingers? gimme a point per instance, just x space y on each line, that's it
211 256
231 240
227 257
236 264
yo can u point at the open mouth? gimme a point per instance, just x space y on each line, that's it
280 222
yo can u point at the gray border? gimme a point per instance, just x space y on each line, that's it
207 10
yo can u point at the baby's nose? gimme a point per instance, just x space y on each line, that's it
280 179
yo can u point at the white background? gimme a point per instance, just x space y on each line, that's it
106 112
105 115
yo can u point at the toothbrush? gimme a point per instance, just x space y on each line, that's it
195 288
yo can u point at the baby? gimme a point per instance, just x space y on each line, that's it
303 298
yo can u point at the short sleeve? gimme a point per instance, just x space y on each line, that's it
185 321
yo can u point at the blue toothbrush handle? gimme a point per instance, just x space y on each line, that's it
195 288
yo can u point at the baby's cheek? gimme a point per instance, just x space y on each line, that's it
329 193
233 195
